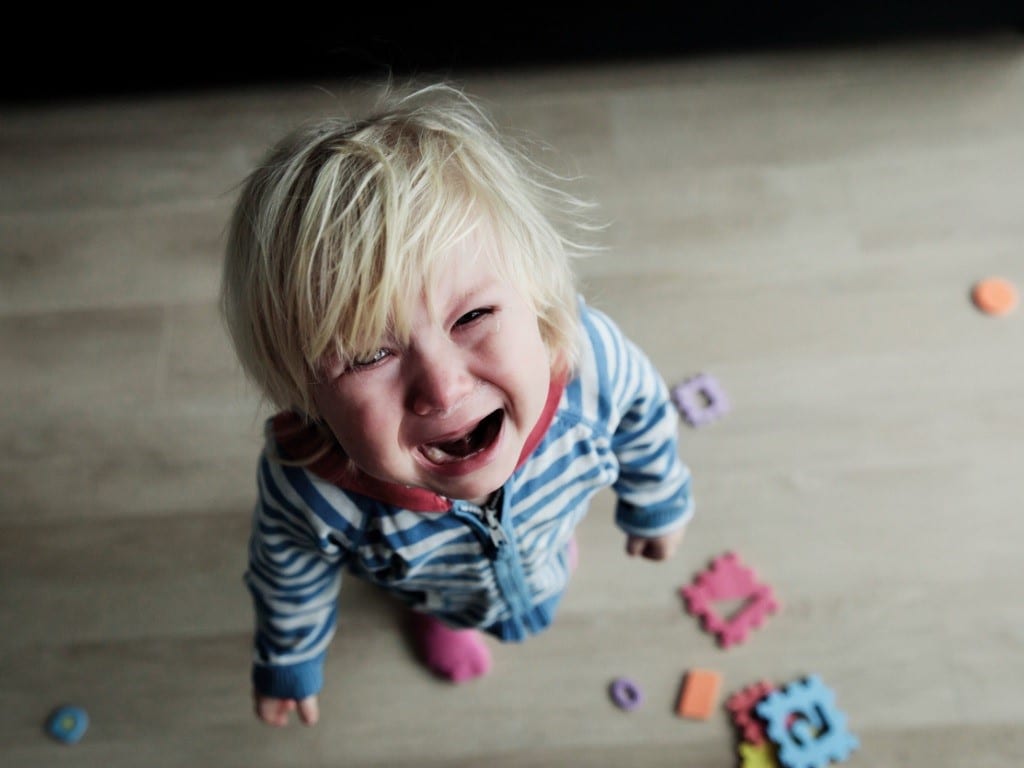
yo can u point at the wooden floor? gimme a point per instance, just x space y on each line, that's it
805 226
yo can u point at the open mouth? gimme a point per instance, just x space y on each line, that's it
477 439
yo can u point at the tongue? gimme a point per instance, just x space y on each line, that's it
459 448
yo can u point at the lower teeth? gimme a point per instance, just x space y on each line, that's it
438 456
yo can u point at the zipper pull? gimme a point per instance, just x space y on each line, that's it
490 515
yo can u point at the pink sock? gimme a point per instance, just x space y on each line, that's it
456 654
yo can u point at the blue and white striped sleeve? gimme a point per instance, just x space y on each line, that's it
653 486
296 552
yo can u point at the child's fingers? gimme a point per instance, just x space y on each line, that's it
655 549
635 545
658 548
274 711
309 710
666 546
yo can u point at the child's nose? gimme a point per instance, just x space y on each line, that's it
440 384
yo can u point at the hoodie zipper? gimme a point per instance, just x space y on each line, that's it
499 546
492 519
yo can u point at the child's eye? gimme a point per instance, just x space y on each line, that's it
369 360
473 316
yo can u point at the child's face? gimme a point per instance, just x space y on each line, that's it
451 410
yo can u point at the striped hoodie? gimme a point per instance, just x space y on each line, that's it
501 568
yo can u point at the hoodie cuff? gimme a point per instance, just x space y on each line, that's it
650 522
295 681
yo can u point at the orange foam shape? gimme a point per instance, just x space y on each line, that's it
699 694
994 296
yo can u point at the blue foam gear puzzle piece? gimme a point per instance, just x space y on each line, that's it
67 724
817 736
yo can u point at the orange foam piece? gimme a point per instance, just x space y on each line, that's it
994 296
699 694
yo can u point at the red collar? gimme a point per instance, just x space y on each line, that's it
298 437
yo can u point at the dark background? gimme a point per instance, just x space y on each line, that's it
161 49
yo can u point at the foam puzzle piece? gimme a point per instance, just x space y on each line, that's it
741 706
757 756
727 578
67 724
994 296
626 694
699 694
700 399
806 727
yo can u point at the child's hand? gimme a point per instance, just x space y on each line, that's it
658 548
276 711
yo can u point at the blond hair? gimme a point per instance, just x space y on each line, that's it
336 233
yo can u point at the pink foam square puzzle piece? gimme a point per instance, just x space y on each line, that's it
727 578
